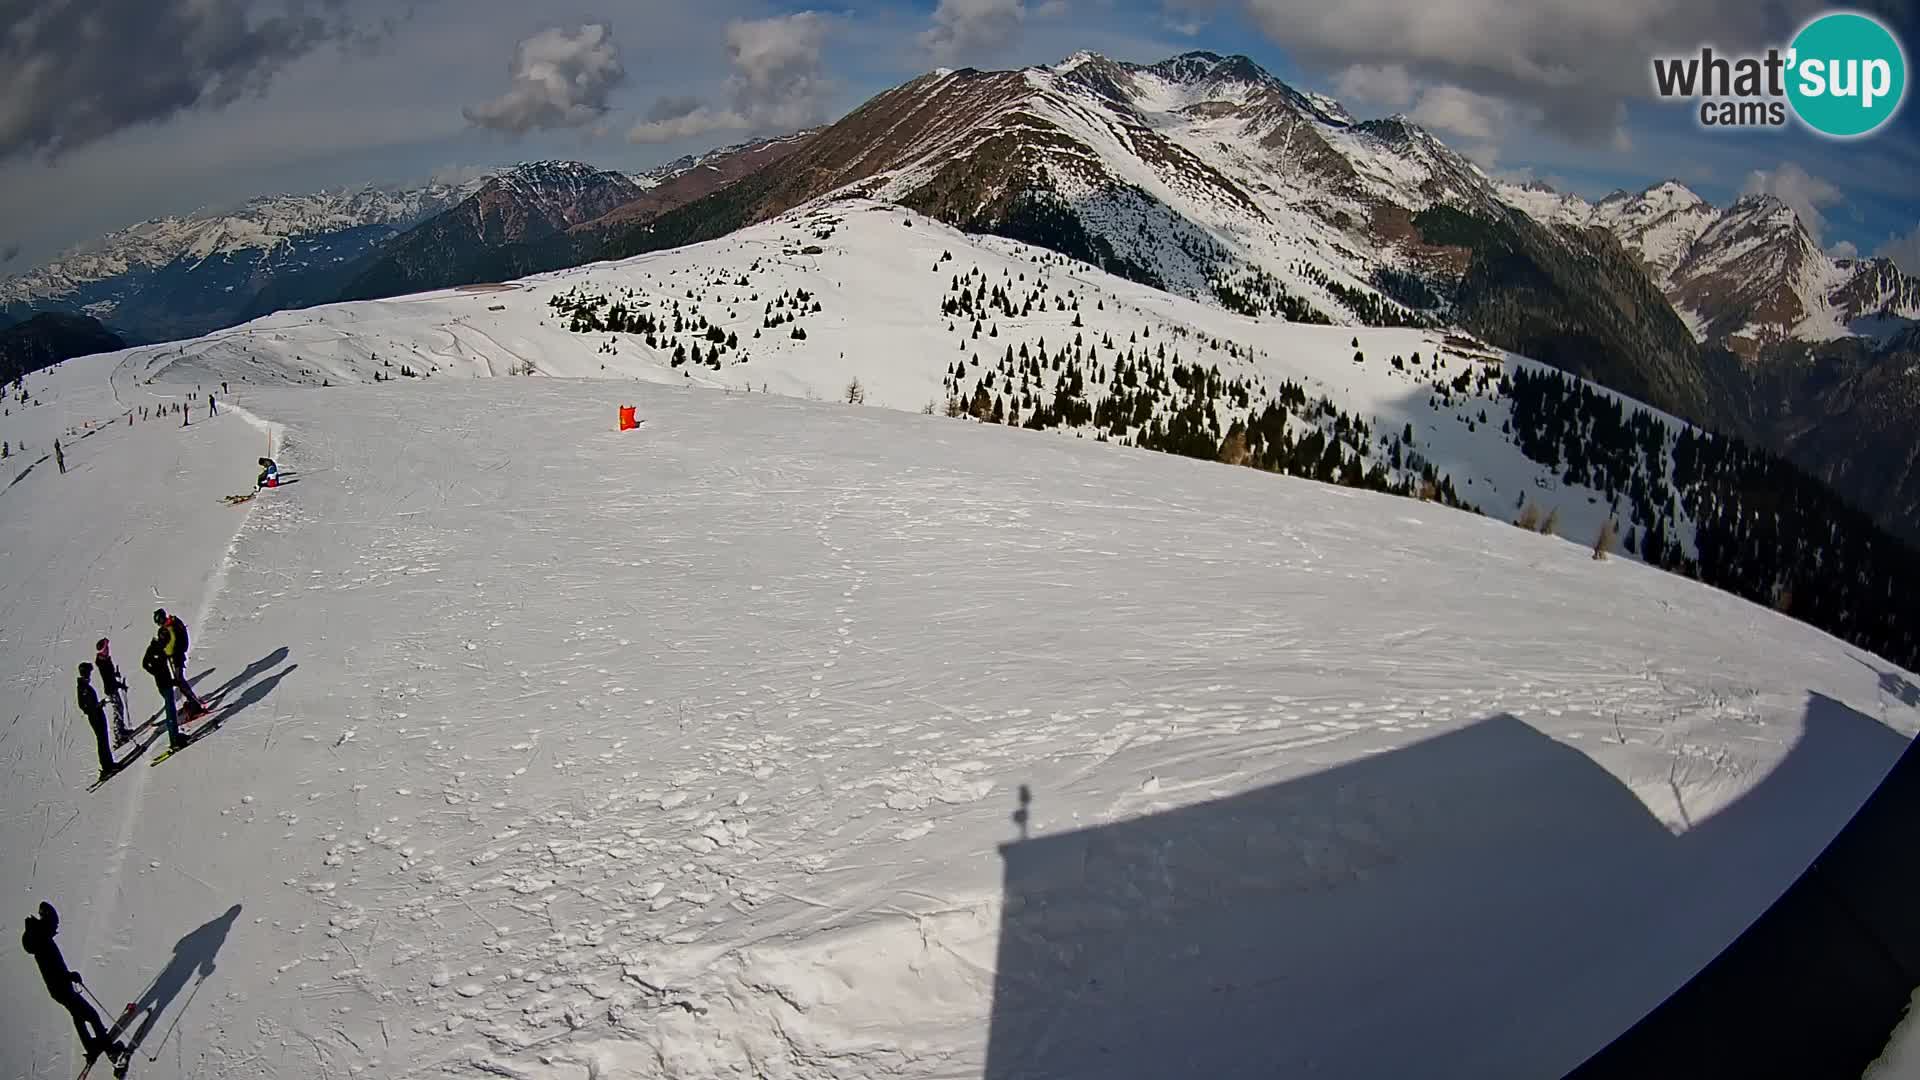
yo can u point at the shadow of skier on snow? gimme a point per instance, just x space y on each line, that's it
191 954
255 669
253 694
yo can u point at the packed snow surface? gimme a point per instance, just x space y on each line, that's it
801 739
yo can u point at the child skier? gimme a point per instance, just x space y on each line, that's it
269 474
116 688
96 715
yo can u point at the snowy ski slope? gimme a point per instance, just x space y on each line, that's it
879 274
800 739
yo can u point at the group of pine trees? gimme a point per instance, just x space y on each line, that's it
686 334
1762 529
1138 393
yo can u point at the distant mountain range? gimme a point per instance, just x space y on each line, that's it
1748 276
178 277
1203 175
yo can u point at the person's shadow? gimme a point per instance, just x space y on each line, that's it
193 953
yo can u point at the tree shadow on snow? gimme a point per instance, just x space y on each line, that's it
192 955
1486 903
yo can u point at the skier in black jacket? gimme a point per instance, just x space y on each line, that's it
96 714
62 984
116 688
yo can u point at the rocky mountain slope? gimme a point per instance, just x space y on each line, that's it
1812 355
1206 176
530 202
175 277
1746 277
562 210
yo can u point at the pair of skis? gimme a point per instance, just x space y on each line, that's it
186 740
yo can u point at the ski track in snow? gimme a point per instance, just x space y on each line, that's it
554 751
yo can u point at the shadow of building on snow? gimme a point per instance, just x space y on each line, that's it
1486 903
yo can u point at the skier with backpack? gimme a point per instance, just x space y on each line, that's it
96 715
62 983
172 637
116 688
155 664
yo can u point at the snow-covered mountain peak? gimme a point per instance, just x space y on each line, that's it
102 276
1070 64
1673 194
1199 67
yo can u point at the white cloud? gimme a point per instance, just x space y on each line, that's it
560 80
455 175
1387 85
973 29
1462 112
1845 249
1804 192
777 83
1903 250
668 122
1572 64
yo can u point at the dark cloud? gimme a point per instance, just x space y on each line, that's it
560 80
672 108
11 253
76 71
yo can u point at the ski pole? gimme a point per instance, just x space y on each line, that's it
176 1020
90 993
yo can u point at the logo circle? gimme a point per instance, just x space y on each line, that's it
1839 59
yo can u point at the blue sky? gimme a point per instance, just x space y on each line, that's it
295 95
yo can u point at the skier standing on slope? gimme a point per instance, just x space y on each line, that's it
155 664
172 636
116 688
96 718
61 982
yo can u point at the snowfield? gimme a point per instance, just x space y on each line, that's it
794 738
879 274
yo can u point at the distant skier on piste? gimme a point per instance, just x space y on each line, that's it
172 636
116 688
96 715
62 983
155 664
